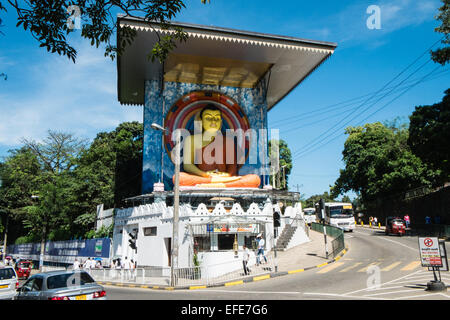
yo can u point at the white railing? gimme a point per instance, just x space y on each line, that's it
184 277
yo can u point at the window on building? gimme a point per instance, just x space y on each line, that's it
225 241
202 243
250 242
150 231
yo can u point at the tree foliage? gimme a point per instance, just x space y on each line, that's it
50 22
442 55
379 163
285 164
429 136
52 188
311 201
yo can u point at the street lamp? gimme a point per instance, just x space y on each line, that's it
42 252
176 204
284 175
6 231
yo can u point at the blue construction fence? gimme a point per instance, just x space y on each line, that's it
63 253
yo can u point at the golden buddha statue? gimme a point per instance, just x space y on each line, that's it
209 159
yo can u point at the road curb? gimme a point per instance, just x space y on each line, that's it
226 284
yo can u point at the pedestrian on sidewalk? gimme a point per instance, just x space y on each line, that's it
133 269
127 266
245 259
375 221
76 265
260 251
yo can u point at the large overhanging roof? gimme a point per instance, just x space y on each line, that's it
218 56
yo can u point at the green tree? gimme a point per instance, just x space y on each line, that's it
285 164
21 177
106 173
442 55
51 22
311 201
49 215
429 136
379 163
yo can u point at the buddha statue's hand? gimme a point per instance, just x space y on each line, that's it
219 179
217 174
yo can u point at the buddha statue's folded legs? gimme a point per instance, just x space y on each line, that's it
246 181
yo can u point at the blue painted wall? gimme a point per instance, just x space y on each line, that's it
252 101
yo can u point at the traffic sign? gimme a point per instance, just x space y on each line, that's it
430 254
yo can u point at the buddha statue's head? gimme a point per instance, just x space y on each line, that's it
211 118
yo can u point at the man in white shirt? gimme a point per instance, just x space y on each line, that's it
127 266
76 265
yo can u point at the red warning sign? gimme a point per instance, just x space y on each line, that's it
430 254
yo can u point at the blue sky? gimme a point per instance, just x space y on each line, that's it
45 91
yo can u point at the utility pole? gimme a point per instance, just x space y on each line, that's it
322 209
41 256
5 239
6 230
176 205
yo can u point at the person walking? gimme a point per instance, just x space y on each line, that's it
133 269
375 221
127 266
260 251
76 265
245 259
407 221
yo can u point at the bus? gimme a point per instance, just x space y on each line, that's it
309 214
338 214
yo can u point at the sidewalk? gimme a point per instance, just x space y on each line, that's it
303 257
300 258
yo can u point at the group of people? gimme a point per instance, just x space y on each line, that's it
90 263
259 253
373 221
128 267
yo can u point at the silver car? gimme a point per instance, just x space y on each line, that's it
61 285
8 282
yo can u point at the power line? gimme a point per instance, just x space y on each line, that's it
437 75
346 123
334 106
300 155
375 94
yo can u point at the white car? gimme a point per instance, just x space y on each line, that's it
8 283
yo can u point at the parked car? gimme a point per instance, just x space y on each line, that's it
23 269
8 282
61 285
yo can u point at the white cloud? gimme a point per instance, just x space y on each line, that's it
80 98
348 26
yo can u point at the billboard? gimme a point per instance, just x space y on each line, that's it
63 251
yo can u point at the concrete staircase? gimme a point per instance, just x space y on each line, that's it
285 237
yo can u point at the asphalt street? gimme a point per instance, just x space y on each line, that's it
376 267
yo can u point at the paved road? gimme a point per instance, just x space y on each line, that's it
376 267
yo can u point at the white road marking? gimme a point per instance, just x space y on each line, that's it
401 244
243 291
